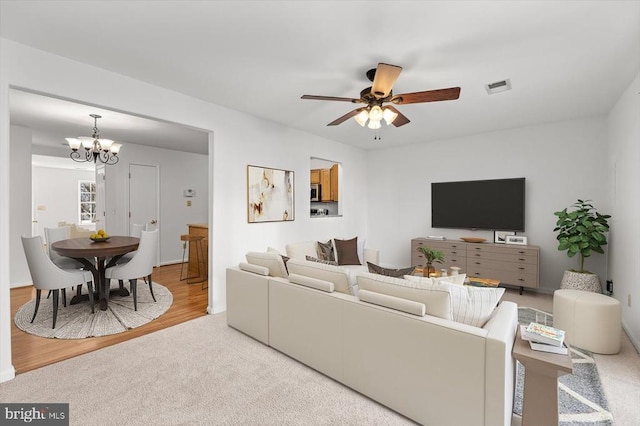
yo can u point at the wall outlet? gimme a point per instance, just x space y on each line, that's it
188 203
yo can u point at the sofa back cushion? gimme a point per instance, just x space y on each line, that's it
321 271
270 260
302 250
468 305
437 300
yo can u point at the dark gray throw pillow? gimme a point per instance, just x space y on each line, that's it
325 250
326 262
347 251
389 272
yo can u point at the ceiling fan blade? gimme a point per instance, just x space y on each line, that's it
345 117
427 96
386 76
330 98
401 119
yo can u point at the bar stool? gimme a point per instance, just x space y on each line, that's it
199 252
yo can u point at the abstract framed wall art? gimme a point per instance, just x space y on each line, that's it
270 195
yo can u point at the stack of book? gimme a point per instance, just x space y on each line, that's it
544 338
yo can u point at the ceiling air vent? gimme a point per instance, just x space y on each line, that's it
498 86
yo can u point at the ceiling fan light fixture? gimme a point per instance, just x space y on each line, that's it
389 116
376 113
374 124
362 117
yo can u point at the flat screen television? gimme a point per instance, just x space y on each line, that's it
496 204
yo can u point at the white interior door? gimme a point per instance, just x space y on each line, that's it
144 190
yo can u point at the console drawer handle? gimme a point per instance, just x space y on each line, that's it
521 268
478 263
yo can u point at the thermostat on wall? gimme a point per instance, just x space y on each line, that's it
189 193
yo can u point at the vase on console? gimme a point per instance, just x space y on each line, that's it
431 256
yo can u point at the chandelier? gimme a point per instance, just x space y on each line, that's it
95 148
375 115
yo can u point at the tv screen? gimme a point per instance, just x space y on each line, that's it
496 204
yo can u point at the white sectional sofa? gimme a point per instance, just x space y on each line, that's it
433 370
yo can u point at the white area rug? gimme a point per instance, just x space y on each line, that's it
77 321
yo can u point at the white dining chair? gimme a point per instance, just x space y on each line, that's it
136 231
46 275
140 266
58 234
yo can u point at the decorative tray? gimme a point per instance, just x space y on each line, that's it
473 240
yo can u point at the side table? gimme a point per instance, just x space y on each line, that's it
542 369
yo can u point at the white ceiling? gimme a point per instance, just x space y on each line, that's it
565 59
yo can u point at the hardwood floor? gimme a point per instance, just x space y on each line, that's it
31 352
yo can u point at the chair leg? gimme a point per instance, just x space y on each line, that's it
150 287
64 297
90 287
56 296
49 293
184 250
134 290
38 294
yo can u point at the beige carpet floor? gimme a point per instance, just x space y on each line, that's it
199 372
203 372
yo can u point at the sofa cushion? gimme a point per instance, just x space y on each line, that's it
270 260
340 278
322 285
390 272
404 305
300 250
436 300
347 251
325 250
256 269
325 261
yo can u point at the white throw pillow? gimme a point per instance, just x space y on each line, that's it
483 302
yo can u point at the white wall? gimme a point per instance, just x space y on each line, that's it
624 158
56 190
20 217
560 161
237 140
178 171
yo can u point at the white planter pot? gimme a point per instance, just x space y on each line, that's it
581 281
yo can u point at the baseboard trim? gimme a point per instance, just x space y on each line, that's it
634 340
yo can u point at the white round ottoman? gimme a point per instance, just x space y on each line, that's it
590 320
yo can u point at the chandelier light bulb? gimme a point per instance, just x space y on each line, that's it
362 117
376 113
374 124
389 115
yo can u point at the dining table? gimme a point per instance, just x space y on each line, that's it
97 256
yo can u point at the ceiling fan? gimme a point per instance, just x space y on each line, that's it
383 77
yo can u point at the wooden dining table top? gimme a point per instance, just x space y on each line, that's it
85 247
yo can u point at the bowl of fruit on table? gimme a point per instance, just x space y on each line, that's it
99 236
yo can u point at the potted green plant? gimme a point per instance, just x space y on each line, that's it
431 256
581 231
